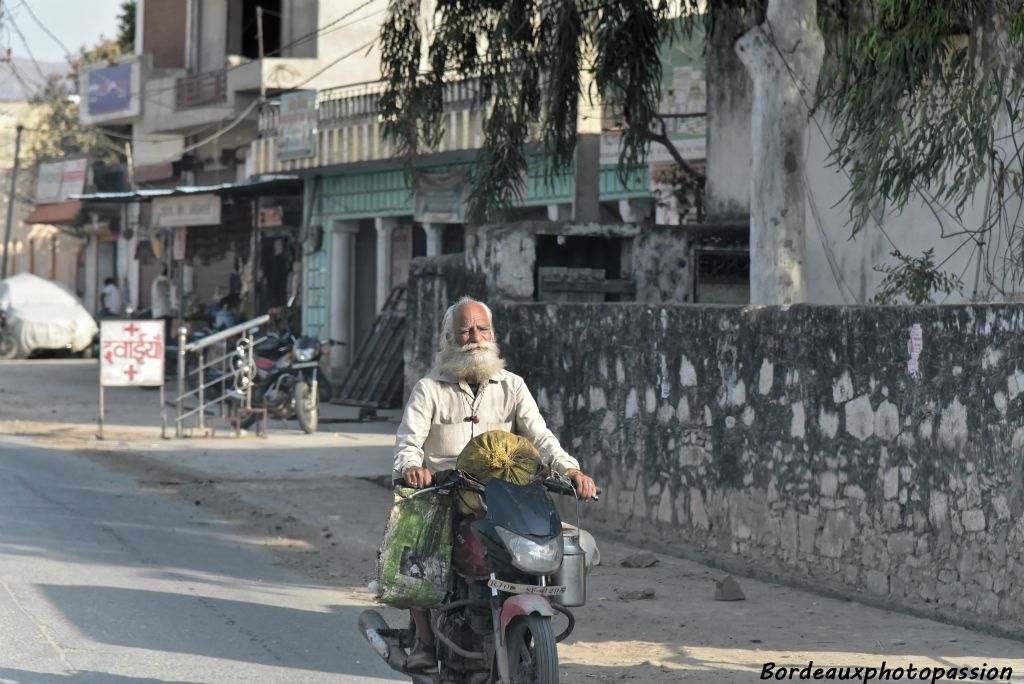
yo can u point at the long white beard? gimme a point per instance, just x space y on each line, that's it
474 362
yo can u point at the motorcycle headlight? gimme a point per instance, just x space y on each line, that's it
303 354
529 556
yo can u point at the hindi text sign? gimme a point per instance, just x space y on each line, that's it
131 353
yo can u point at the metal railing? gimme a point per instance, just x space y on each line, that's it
214 373
204 88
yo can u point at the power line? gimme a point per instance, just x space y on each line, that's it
14 25
46 30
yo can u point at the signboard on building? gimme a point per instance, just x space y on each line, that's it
58 180
296 125
110 89
441 198
201 209
131 353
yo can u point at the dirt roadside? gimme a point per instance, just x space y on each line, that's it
325 522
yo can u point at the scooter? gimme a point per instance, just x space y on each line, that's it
287 382
514 570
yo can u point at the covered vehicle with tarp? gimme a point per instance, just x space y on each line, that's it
40 314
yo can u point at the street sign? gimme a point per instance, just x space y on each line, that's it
199 209
296 125
131 353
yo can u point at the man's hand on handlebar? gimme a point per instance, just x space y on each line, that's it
417 477
586 488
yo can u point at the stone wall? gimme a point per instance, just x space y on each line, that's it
873 450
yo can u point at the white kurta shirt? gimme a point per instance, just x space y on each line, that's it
434 428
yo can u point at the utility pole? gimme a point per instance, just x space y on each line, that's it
10 202
259 38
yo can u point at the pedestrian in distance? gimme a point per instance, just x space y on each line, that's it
110 298
161 301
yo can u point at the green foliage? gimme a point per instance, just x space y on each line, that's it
914 280
64 134
916 89
126 26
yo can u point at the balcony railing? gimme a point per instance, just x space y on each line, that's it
196 90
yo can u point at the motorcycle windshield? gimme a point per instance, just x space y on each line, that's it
526 510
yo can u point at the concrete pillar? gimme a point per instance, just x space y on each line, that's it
341 298
131 272
434 233
559 212
385 227
586 195
92 262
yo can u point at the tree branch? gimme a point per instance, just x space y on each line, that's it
663 140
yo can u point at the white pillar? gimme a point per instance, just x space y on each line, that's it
559 212
434 233
341 297
385 227
132 271
92 267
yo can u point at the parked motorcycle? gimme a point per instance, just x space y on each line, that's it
287 381
514 569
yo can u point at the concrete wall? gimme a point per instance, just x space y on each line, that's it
829 445
164 32
657 257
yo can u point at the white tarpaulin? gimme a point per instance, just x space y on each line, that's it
43 315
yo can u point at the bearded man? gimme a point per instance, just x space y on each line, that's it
469 392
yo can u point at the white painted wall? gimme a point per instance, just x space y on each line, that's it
841 264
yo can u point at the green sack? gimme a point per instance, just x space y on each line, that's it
415 558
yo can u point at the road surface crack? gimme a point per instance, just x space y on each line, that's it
44 631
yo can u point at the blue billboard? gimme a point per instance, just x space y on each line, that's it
110 89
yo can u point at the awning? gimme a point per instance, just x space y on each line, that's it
55 213
266 184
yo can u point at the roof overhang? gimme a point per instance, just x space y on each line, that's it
257 185
55 213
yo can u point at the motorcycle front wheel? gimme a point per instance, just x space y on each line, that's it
307 407
532 653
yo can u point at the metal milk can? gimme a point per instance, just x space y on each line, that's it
573 572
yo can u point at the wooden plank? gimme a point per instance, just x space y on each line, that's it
589 286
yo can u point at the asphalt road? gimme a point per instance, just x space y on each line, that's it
105 582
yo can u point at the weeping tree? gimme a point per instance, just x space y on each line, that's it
925 100
529 63
923 97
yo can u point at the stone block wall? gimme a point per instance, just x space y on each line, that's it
871 449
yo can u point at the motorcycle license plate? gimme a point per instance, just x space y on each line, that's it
513 588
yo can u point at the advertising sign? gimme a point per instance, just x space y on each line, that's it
131 353
58 180
110 89
296 125
186 210
441 198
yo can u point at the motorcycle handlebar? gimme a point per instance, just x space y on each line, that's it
446 479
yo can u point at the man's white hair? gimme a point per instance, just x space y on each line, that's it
446 340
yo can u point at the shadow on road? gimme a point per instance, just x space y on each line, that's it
27 677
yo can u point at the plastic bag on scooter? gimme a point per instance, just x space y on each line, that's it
415 557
